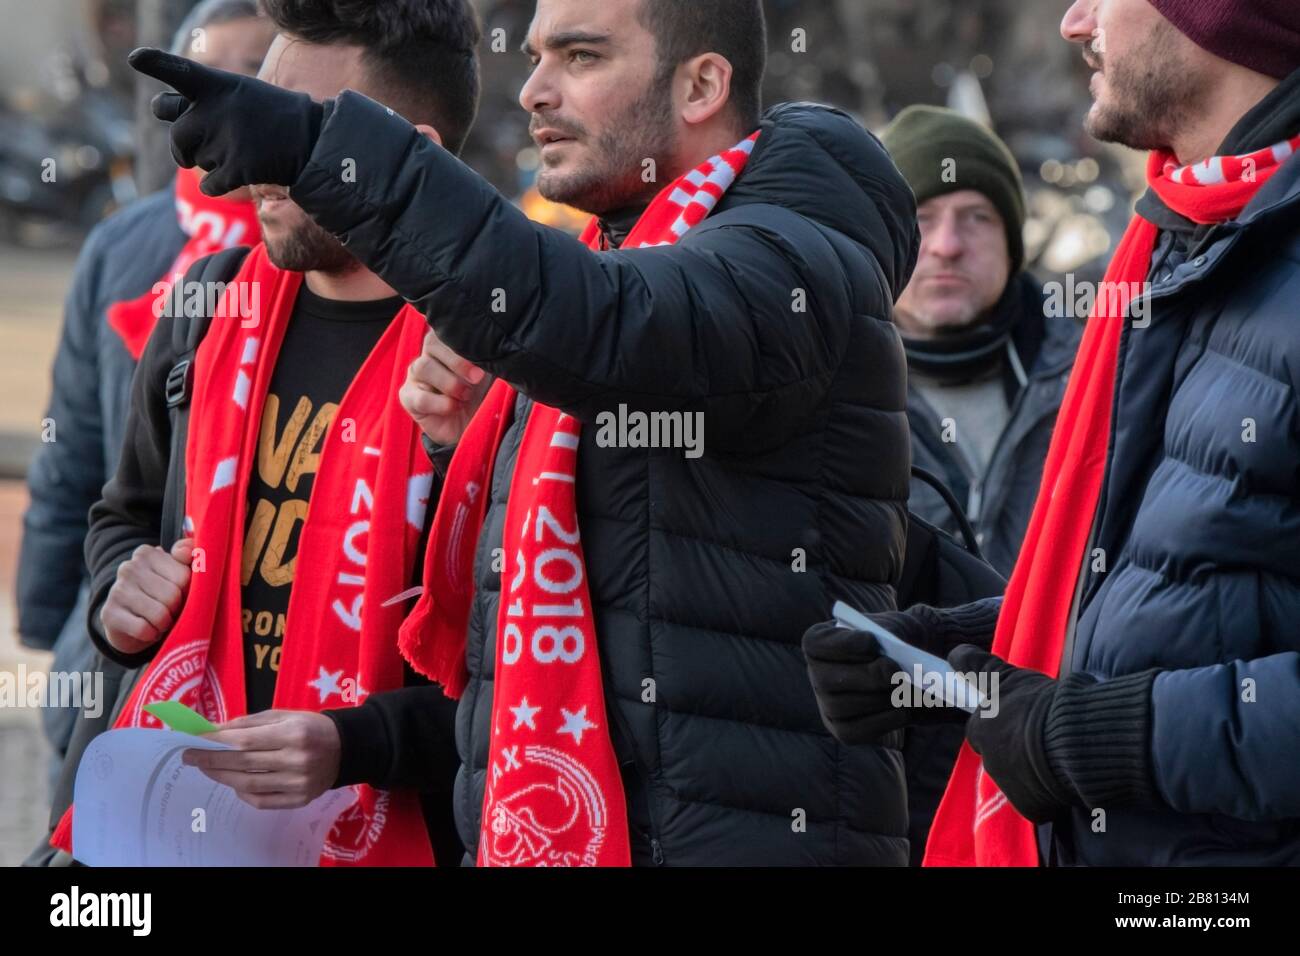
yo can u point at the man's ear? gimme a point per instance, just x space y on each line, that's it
430 132
706 87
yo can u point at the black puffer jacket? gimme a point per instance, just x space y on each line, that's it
695 566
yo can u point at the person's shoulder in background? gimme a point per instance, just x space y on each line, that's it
121 258
131 249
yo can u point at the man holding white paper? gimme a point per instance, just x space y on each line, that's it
1147 645
174 810
297 447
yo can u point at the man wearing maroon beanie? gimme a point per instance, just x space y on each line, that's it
1179 74
1144 663
1261 35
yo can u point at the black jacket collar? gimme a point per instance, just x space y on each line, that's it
616 226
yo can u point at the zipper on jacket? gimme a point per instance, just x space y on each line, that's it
658 852
621 727
652 815
656 848
974 503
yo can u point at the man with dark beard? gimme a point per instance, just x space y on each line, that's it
621 620
297 448
1148 660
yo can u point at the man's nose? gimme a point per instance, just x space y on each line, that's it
943 239
1080 21
539 93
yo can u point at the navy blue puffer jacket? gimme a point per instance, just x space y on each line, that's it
1200 528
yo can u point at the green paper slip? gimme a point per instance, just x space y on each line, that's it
181 718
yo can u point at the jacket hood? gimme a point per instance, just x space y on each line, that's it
820 163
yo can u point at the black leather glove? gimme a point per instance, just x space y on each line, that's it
857 692
239 129
1051 745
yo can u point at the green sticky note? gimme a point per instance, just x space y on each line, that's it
179 717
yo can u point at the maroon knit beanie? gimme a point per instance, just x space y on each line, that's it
1261 35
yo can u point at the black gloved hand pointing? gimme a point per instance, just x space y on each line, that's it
241 130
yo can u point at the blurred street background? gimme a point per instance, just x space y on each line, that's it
32 283
67 94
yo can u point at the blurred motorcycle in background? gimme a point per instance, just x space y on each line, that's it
66 154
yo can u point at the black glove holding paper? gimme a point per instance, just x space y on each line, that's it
858 693
1051 745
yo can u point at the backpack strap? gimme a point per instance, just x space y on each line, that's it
958 515
187 336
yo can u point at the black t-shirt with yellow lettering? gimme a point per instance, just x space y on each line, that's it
324 347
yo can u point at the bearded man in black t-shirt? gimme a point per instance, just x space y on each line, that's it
401 739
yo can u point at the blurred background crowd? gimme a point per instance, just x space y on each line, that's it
66 93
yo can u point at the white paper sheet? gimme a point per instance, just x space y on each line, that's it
135 804
956 689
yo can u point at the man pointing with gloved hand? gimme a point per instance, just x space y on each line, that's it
741 268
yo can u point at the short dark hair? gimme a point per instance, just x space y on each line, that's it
422 54
735 29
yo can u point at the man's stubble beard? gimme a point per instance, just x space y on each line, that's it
1150 95
917 323
615 180
306 247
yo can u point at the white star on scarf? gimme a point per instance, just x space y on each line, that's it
327 683
575 724
524 715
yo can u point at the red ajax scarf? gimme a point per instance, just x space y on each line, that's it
554 796
975 824
372 487
212 225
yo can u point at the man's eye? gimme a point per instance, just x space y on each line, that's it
583 56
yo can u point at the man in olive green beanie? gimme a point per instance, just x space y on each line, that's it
939 151
987 371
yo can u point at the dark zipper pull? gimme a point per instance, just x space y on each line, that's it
658 852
